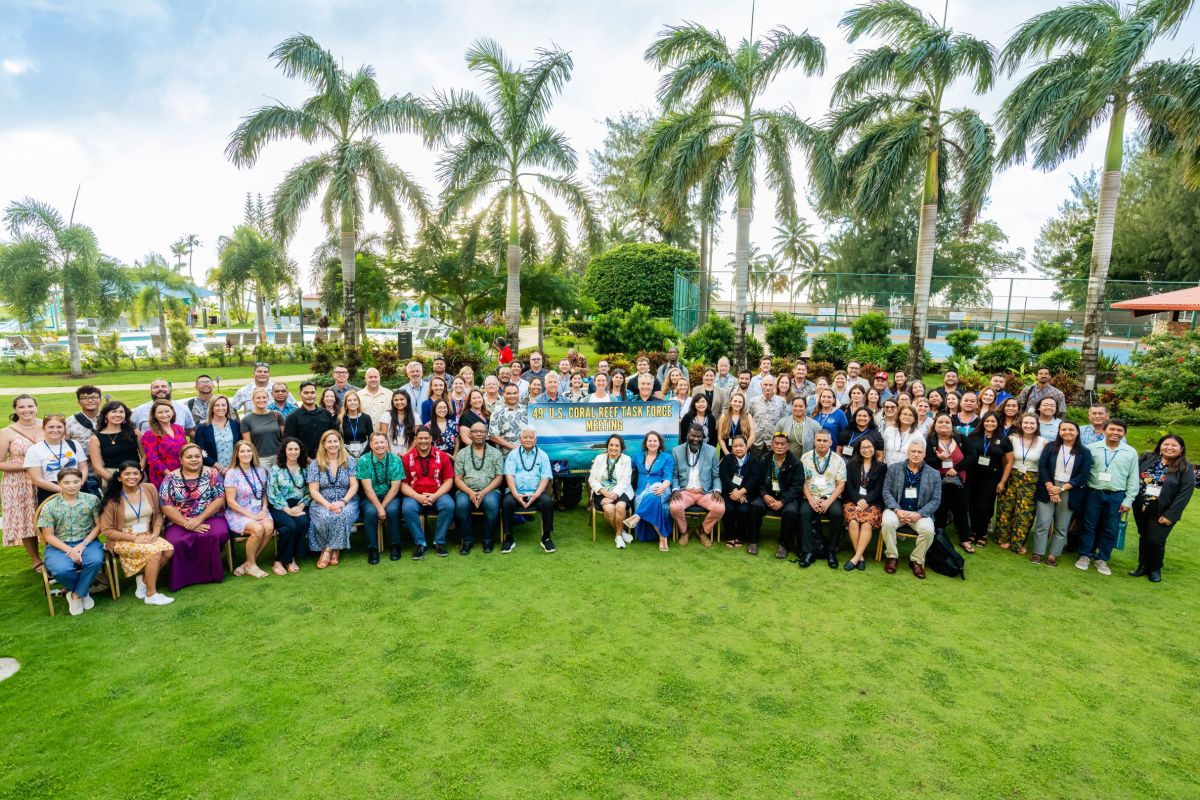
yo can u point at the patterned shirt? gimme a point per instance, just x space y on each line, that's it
191 495
80 433
249 487
380 473
288 406
71 523
822 482
766 414
284 485
162 453
475 471
506 423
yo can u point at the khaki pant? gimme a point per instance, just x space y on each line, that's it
923 527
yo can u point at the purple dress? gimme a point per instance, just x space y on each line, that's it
197 554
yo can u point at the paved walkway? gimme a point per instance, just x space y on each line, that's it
226 383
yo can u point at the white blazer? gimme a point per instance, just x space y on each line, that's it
623 475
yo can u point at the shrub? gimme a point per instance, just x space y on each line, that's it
640 332
1136 413
1060 359
1047 336
109 349
711 340
1165 370
618 361
636 273
606 332
180 337
1068 384
871 355
754 350
821 369
387 360
832 347
872 328
962 342
786 335
580 327
1001 355
325 355
473 354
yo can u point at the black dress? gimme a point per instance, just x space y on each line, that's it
116 448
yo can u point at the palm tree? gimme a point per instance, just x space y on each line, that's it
190 242
1094 69
499 151
348 111
712 134
160 290
796 245
179 250
891 100
250 257
49 253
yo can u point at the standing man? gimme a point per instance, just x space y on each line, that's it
160 389
376 400
912 492
766 409
854 376
779 493
508 420
417 387
1088 434
880 384
1112 487
504 353
716 396
198 405
1031 396
801 385
643 368
998 382
553 393
308 422
341 382
764 372
81 426
725 379
536 369
439 369
281 400
428 477
950 384
527 472
478 473
672 362
743 382
824 479
696 482
243 398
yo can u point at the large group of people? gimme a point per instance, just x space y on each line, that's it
166 484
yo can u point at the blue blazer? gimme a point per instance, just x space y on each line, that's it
1080 469
661 470
207 440
710 468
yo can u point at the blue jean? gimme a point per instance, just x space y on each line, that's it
370 520
443 507
74 577
490 506
1101 515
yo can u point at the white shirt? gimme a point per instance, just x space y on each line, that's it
1062 470
895 444
183 416
52 459
1025 457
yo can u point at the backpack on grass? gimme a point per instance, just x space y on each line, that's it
943 559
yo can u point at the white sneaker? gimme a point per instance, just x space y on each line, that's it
88 603
620 543
1102 567
140 591
628 537
631 522
1083 563
74 604
159 599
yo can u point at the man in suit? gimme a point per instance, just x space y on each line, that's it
717 397
912 492
741 476
697 481
779 493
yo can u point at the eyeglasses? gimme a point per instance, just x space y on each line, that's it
258 364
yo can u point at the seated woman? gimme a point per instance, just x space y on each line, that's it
132 526
699 414
246 510
162 442
70 525
863 503
334 488
45 460
287 493
654 466
611 481
192 499
741 475
115 442
217 434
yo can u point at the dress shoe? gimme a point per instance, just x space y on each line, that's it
889 566
372 555
395 552
832 561
705 539
862 565
917 569
464 549
683 539
1155 576
1137 573
849 566
752 549
807 560
488 547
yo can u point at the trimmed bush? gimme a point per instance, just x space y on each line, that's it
872 329
832 347
710 341
1001 355
1047 336
1060 359
606 332
962 342
874 355
637 273
821 369
640 332
786 335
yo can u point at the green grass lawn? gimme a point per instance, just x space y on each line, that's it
602 673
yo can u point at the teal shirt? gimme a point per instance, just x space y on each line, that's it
380 472
71 522
1122 468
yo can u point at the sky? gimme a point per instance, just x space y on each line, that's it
132 101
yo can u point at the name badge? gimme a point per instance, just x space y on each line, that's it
862 490
910 493
737 480
984 461
947 464
1104 476
848 450
774 486
140 527
1153 491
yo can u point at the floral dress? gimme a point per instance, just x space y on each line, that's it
329 530
138 518
16 495
449 437
1016 507
162 453
250 488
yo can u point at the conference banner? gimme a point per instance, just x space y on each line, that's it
573 434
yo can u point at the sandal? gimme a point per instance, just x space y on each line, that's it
1021 551
1005 545
39 567
967 546
333 560
293 568
980 543
732 543
662 545
1035 558
240 570
255 571
323 561
1051 561
278 569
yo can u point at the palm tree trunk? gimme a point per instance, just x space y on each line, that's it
349 311
162 321
705 257
926 243
1102 241
742 274
71 316
258 310
512 300
541 318
300 307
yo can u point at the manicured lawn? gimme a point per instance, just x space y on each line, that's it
181 377
602 673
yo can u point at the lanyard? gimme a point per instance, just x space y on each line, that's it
137 512
1107 459
854 439
1025 450
986 444
352 423
1066 462
911 478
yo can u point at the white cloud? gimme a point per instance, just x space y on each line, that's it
17 66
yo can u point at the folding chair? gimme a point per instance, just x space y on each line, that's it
903 532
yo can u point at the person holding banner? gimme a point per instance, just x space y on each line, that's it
527 473
654 469
741 475
696 481
611 482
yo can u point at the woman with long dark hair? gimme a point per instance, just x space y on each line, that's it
952 456
1063 471
401 423
1016 507
611 482
131 523
863 499
1167 482
989 475
115 441
287 491
444 427
699 414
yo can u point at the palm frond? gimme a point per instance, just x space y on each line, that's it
1168 15
785 49
33 218
871 71
575 194
1081 25
269 124
301 56
1038 97
296 191
975 57
892 147
690 41
541 80
549 148
886 18
395 114
975 157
